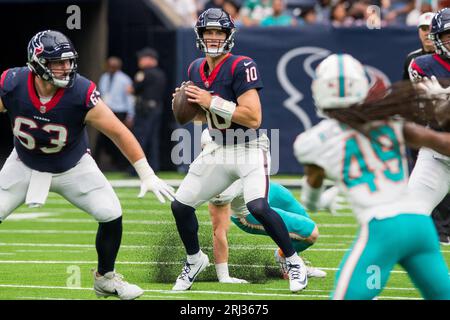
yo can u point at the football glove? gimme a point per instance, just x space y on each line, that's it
433 88
149 181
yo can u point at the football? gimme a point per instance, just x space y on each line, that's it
183 110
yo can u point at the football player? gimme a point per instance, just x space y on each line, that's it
368 163
430 178
226 87
231 204
49 105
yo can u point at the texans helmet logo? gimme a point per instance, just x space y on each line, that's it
38 50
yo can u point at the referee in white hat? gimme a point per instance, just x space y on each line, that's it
427 45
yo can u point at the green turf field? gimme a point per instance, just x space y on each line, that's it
48 253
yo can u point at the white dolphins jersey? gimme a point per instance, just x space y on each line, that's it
374 176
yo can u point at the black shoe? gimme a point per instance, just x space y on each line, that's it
444 239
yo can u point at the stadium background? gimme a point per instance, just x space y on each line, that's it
284 55
41 248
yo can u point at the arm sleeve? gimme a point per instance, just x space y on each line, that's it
246 76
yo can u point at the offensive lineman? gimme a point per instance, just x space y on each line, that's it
49 104
226 86
371 169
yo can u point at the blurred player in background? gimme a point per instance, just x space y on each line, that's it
367 160
226 87
49 105
430 178
302 230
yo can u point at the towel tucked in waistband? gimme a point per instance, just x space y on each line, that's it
38 189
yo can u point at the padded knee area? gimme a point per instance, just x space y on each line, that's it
106 213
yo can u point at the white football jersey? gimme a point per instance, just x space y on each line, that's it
374 176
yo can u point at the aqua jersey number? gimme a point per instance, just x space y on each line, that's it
386 147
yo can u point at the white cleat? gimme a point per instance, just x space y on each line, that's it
111 284
311 271
298 279
190 272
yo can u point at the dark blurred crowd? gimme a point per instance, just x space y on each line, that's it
339 13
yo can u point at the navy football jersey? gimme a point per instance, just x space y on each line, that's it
51 136
233 76
427 66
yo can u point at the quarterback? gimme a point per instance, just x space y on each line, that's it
49 105
226 87
368 163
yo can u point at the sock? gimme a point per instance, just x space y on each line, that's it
109 236
222 270
294 259
187 226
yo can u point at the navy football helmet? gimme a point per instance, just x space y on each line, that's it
215 19
440 24
47 46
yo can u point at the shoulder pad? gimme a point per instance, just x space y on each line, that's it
10 78
308 145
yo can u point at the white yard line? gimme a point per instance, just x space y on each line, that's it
171 222
232 247
239 234
74 262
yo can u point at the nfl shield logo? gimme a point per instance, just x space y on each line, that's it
43 109
207 84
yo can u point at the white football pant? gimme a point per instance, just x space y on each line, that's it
430 179
217 167
84 186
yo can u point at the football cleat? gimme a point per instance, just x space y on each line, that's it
298 279
190 272
311 271
444 239
111 284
